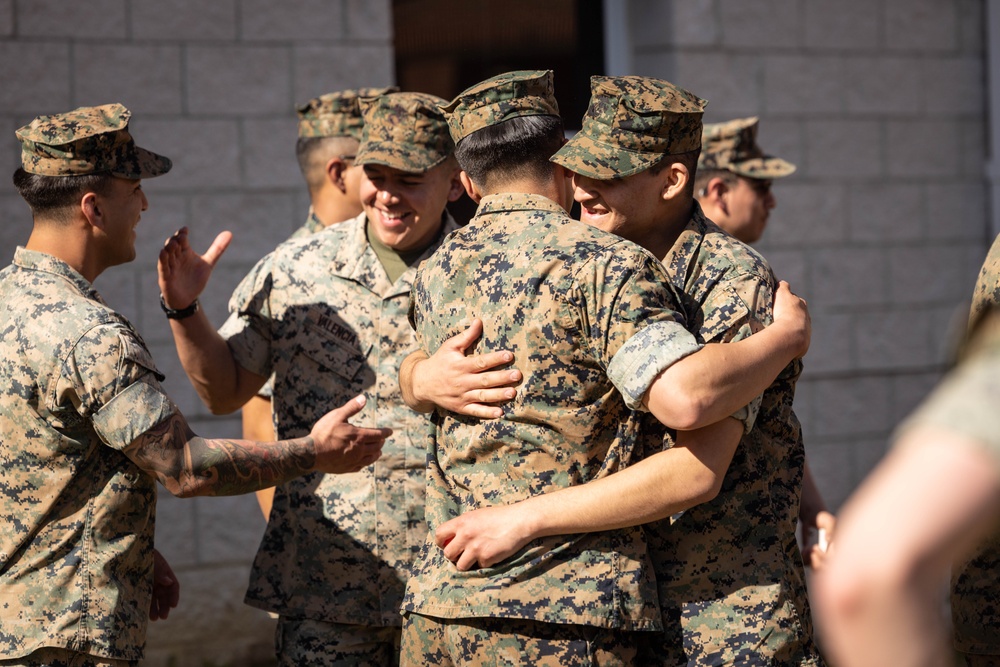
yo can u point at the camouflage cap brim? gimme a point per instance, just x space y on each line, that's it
142 164
88 140
590 157
405 131
410 158
125 160
763 168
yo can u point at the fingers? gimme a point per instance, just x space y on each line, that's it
484 362
481 411
467 338
444 534
456 550
178 238
351 408
218 247
466 561
498 379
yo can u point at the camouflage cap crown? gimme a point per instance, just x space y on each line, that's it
336 114
733 146
405 131
631 123
500 98
88 140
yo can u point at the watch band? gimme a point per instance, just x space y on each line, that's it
181 313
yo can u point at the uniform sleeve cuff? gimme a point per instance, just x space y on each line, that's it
647 354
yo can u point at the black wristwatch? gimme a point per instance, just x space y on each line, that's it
181 313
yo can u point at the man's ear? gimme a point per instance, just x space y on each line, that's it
91 209
470 188
716 192
675 180
335 169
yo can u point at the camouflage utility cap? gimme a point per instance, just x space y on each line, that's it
500 98
88 140
336 114
632 122
405 131
732 146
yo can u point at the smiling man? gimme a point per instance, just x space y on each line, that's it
594 325
87 430
327 314
329 134
730 579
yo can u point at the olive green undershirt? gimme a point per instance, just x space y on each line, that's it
394 262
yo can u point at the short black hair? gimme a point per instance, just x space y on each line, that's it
312 152
47 194
516 148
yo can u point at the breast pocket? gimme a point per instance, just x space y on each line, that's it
345 359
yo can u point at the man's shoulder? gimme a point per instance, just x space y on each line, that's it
52 303
334 246
706 258
542 237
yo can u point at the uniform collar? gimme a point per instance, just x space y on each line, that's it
368 270
512 201
678 258
34 260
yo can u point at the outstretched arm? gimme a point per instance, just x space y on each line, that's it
721 378
676 479
188 465
222 384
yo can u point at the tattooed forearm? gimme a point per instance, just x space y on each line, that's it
189 465
241 466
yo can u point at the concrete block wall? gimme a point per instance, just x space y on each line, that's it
213 85
881 104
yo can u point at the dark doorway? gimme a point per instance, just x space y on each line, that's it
444 46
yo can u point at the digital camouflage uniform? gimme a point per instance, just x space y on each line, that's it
321 315
592 321
76 550
730 574
975 593
730 577
327 116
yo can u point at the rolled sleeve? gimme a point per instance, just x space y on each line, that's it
645 355
747 415
139 408
248 329
251 349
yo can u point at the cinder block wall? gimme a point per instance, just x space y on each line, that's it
879 102
881 105
213 85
